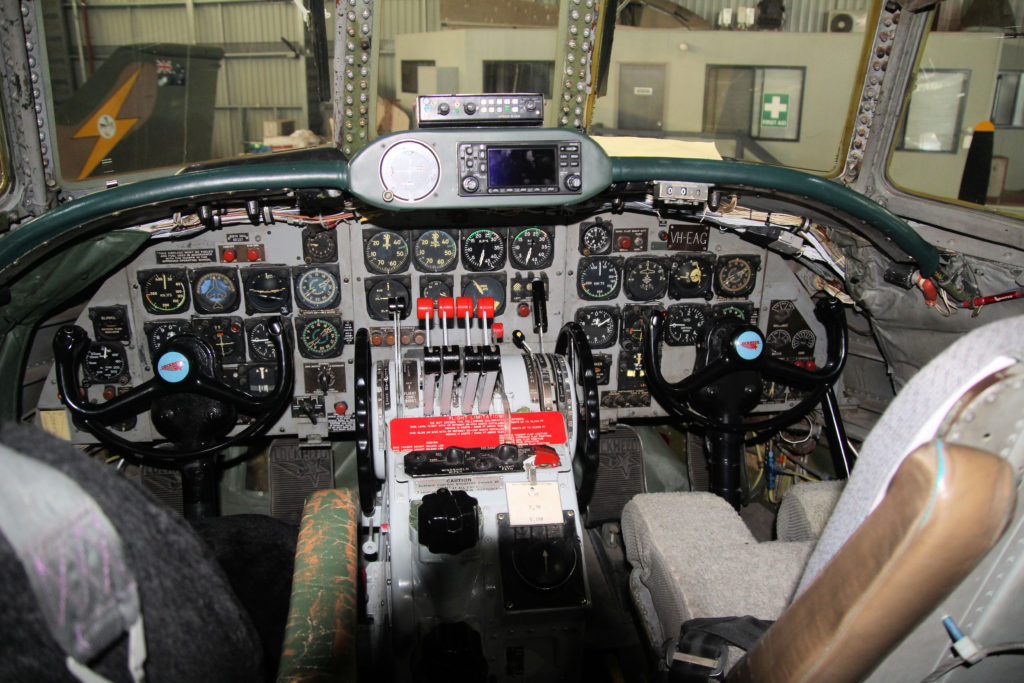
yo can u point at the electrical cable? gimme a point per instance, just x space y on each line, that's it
811 470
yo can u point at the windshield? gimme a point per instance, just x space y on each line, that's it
968 89
141 86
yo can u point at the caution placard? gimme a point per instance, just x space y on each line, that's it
476 431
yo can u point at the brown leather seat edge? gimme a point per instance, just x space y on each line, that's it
946 506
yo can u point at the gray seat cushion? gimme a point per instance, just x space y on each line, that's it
695 557
805 510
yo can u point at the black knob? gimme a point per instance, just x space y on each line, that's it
443 109
573 182
448 521
470 184
469 108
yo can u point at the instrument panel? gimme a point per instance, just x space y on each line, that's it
605 270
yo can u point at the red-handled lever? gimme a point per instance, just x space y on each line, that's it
485 311
464 309
445 311
425 311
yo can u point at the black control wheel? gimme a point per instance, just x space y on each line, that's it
719 395
572 343
706 398
188 405
368 482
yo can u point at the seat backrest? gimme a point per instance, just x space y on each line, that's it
946 507
195 627
900 428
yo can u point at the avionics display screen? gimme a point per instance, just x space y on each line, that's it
522 166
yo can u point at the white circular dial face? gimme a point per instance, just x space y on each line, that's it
409 170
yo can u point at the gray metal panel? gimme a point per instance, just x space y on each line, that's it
365 181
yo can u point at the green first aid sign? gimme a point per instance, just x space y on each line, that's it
774 110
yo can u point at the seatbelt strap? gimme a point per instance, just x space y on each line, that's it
74 561
700 653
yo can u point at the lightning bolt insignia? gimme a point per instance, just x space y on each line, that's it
106 127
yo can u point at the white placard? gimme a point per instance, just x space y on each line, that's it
530 504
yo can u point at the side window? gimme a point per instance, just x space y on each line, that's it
1008 104
968 89
935 112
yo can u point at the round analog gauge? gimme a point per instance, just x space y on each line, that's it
600 324
685 324
379 293
319 246
319 338
484 286
165 291
779 339
804 341
690 278
267 291
645 279
435 251
435 287
157 334
596 239
386 252
483 250
531 248
409 170
734 276
633 326
781 310
260 345
226 337
215 292
105 362
316 289
598 278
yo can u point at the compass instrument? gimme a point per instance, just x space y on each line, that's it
317 288
735 276
319 337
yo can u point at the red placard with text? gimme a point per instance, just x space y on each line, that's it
476 431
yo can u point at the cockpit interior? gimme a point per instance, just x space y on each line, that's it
587 340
